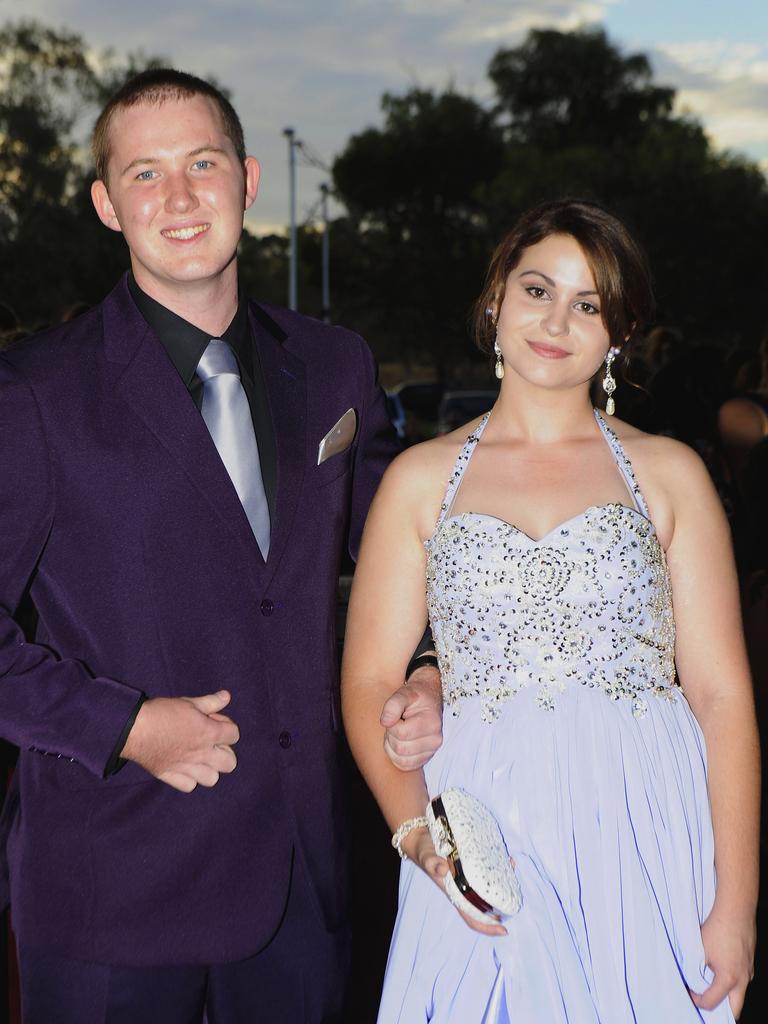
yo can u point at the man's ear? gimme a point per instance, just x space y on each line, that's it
103 206
252 175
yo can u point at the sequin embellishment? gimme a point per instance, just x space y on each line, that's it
590 603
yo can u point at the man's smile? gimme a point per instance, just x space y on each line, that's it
184 234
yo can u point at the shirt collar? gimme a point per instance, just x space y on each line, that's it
186 343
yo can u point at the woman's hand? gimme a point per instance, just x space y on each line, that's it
419 848
729 950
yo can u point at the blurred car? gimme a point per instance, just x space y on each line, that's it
458 407
397 413
413 407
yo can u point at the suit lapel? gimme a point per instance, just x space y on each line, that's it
147 381
284 376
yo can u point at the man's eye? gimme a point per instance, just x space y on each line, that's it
202 165
145 176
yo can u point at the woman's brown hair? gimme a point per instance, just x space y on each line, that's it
617 263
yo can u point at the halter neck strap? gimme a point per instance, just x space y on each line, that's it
623 463
458 469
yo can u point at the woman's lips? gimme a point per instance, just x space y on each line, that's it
548 351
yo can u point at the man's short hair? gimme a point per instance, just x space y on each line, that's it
156 86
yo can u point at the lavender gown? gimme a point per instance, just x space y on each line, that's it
563 716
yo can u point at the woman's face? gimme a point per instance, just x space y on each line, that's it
550 329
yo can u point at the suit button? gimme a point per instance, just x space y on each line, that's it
267 606
284 740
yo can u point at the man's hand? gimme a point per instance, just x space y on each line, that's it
413 719
184 741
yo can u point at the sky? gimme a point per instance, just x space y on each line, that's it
321 66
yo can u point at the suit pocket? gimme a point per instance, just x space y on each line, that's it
333 468
69 776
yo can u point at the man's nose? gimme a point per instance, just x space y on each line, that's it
180 197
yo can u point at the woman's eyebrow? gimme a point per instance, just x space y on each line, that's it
549 280
551 283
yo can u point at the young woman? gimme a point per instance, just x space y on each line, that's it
578 578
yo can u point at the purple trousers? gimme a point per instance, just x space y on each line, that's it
299 977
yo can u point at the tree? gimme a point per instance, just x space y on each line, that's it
53 252
576 89
410 188
44 78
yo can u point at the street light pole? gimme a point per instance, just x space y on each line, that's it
326 314
290 134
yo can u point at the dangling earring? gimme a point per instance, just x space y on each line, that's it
499 368
609 381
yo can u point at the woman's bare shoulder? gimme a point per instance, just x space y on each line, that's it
423 470
435 455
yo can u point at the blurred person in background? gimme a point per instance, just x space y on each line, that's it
754 566
661 345
743 418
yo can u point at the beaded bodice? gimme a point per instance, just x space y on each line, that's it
590 603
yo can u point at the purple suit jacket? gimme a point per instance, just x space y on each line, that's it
118 513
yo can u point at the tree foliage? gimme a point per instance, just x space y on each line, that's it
412 191
423 166
44 77
576 89
53 252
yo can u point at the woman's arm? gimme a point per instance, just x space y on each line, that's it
386 617
714 672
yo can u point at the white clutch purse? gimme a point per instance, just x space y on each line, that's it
481 881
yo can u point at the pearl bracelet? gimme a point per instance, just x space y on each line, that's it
405 829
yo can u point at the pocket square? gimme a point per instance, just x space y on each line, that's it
339 437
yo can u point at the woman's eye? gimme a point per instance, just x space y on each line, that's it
587 307
536 292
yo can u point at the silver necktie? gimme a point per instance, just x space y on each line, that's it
227 415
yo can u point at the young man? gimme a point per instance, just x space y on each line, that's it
179 471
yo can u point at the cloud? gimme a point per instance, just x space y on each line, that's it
510 21
719 60
724 84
